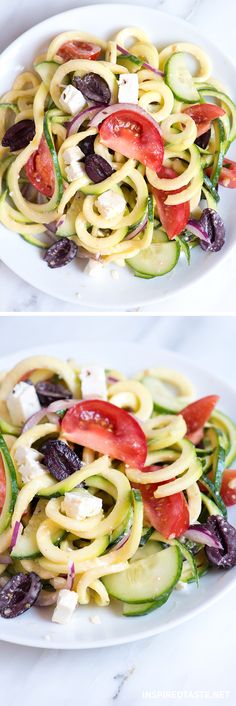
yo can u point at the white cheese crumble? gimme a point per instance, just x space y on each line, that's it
93 383
22 402
28 461
75 170
128 88
72 154
66 605
110 204
81 504
94 268
72 100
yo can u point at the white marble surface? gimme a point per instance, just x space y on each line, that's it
198 657
207 15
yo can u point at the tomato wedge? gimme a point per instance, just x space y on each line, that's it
228 487
173 218
227 174
197 414
132 133
203 114
108 429
2 484
170 515
79 50
39 169
196 436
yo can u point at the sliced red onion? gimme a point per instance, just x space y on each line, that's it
122 541
138 229
145 65
50 410
111 379
83 254
5 559
53 227
74 125
117 107
17 529
203 535
194 228
70 576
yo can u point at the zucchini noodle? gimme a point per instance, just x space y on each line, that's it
102 544
70 199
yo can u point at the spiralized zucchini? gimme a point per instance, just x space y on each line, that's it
36 94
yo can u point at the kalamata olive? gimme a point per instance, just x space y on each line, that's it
51 391
19 594
97 168
61 253
87 145
19 135
93 87
203 140
59 458
211 222
223 558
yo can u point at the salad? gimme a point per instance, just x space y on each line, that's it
113 151
110 487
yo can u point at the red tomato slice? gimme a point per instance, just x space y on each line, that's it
173 218
228 487
2 484
79 50
170 515
39 170
197 414
203 114
195 436
135 136
108 429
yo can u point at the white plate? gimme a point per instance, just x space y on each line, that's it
65 283
35 627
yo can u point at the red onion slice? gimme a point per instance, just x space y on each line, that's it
17 530
111 380
145 65
50 410
117 107
138 229
70 575
202 535
5 559
195 229
74 125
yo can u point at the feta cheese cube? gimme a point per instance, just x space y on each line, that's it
29 464
93 383
72 154
22 402
66 605
128 88
74 171
81 504
110 204
94 268
72 100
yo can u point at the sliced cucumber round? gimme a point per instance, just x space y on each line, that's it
180 80
146 550
26 546
133 610
46 70
146 580
157 260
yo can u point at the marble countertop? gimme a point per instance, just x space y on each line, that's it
16 17
194 663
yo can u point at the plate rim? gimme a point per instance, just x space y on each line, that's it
61 643
213 265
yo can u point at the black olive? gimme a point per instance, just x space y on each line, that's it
19 594
203 140
213 225
61 253
50 392
19 135
97 168
87 145
94 88
223 558
59 458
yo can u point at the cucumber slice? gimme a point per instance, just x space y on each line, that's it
226 103
210 187
26 546
201 563
46 70
210 505
130 61
146 550
180 80
156 260
6 428
133 610
123 529
146 534
33 241
214 439
11 486
220 151
67 227
148 579
214 493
